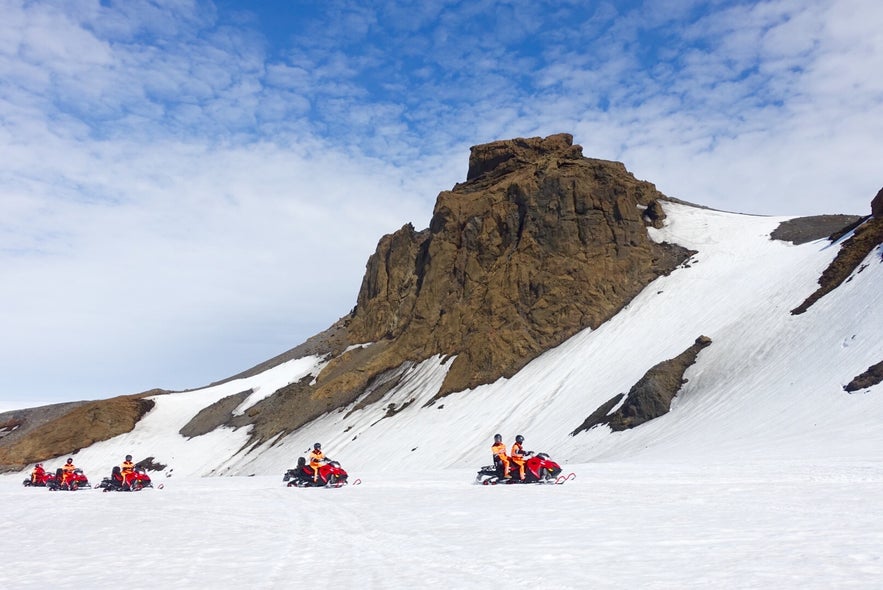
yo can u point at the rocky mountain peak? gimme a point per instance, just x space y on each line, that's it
500 157
538 244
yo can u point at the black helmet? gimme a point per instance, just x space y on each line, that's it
128 457
317 446
519 439
70 459
498 438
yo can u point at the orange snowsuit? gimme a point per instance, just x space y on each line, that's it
37 474
517 456
499 451
127 470
67 472
317 457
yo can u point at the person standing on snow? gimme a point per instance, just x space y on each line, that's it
499 451
518 454
317 459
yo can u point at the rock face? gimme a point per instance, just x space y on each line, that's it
538 244
877 205
808 229
867 235
651 396
869 378
66 432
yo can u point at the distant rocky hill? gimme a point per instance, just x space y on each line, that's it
538 244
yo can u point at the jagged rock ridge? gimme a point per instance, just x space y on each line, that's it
650 397
538 244
867 235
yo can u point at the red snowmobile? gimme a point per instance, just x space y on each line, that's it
331 475
115 483
538 468
43 479
76 481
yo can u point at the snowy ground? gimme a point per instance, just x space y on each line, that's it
617 525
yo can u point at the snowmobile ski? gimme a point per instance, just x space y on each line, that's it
561 479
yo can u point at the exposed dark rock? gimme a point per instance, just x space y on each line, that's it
873 376
599 416
26 420
215 415
286 410
150 464
808 229
502 157
537 245
868 234
853 251
655 214
651 396
72 428
8 426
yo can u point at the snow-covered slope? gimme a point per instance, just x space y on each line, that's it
769 387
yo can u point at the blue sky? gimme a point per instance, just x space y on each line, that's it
190 187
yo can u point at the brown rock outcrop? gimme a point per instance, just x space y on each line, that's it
85 424
867 235
808 229
214 415
651 396
873 376
538 244
655 214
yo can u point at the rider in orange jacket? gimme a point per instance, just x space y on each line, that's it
38 474
499 451
317 459
518 455
127 471
67 471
